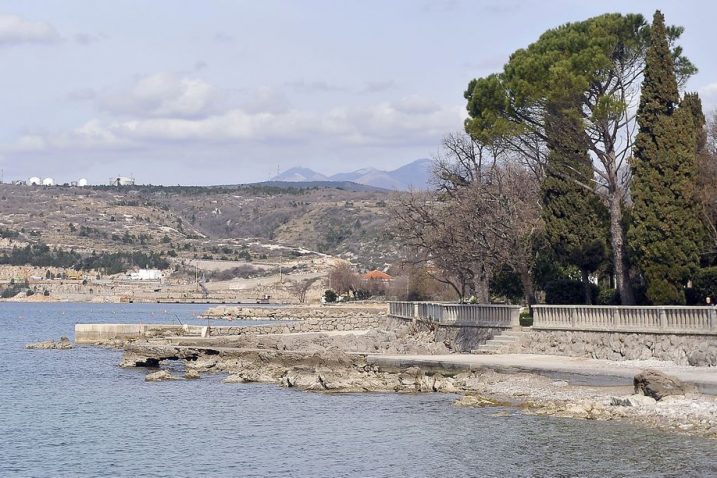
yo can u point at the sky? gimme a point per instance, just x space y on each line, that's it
225 92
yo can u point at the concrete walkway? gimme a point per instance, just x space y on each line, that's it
578 371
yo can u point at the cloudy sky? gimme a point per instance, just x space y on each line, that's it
217 92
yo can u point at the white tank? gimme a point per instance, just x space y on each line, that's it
48 182
34 181
82 182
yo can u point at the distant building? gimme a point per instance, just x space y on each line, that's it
121 181
48 182
146 274
376 276
34 181
82 182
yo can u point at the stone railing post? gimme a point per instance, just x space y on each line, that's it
663 318
514 317
712 319
573 316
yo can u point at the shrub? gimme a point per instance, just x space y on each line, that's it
330 296
526 319
567 292
362 294
608 296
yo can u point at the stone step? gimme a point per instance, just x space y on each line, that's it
500 338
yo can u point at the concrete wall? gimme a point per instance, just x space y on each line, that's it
102 333
683 349
99 333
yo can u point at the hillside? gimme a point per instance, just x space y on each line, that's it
211 223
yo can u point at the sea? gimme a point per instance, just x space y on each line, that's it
76 413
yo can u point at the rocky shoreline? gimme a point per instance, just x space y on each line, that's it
336 362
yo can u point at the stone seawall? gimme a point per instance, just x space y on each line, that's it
458 338
307 325
698 350
307 312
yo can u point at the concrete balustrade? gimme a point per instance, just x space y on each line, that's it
652 319
470 315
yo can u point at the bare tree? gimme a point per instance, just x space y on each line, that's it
485 213
300 288
342 279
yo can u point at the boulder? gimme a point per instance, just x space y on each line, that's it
657 385
160 376
191 374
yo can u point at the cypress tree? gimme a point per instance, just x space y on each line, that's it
576 221
665 231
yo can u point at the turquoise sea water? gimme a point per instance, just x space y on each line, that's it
75 413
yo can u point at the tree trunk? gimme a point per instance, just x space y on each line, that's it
617 240
482 289
586 287
528 289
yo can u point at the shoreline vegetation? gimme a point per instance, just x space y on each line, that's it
349 361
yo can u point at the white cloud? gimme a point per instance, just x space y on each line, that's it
16 30
164 95
708 94
386 124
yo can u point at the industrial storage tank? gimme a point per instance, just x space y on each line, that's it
34 181
48 182
82 182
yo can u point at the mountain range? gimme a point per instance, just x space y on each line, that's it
414 175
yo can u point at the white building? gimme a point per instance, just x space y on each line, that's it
82 182
146 274
34 181
48 182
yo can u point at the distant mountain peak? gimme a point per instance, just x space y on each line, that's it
299 174
414 175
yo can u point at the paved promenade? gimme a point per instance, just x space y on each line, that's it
574 370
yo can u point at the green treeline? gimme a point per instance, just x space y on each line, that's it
41 255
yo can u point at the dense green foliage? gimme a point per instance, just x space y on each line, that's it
330 296
568 291
576 221
666 231
704 284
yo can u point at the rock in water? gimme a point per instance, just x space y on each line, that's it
657 385
63 344
158 376
191 374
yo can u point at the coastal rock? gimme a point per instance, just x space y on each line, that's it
657 385
191 374
477 401
63 344
235 378
160 376
633 401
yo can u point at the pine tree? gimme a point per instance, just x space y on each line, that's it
665 233
576 221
